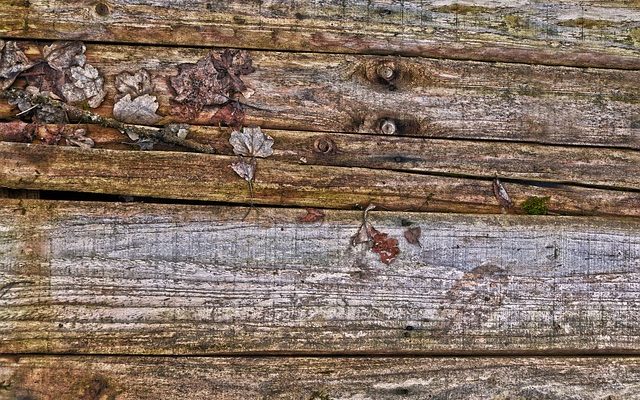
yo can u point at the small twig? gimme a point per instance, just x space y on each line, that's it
165 134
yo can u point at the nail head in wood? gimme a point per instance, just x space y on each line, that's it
324 145
388 127
385 72
102 9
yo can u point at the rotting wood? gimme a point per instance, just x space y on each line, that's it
137 378
577 33
114 278
438 98
605 167
194 176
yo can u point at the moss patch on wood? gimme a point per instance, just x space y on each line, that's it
535 205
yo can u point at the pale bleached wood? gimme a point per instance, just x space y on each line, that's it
193 176
605 167
166 279
152 378
561 32
432 98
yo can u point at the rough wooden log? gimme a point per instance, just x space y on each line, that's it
193 176
427 98
116 278
138 378
604 167
561 32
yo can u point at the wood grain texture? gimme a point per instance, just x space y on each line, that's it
137 378
192 176
603 167
561 32
429 98
114 278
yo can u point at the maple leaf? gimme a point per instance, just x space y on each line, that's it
501 194
385 246
412 235
12 62
230 64
251 142
245 169
312 215
141 110
63 55
85 83
136 84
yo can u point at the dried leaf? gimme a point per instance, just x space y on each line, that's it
501 194
385 246
246 169
63 55
16 131
46 79
12 62
412 235
213 80
140 111
179 130
231 114
85 83
251 142
78 138
312 215
137 84
49 134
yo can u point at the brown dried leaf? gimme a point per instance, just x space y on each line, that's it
232 63
78 138
412 235
12 62
385 246
50 134
63 55
231 114
16 131
140 111
46 79
85 83
251 142
246 169
500 192
137 84
363 235
312 215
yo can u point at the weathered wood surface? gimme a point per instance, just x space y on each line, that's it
193 176
604 167
138 378
430 98
561 32
123 278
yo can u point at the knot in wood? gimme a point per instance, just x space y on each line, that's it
324 145
102 9
388 127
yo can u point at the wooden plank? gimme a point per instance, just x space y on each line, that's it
604 167
192 176
123 278
561 32
71 378
430 98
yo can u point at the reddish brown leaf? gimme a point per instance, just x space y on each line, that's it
231 115
312 215
16 131
413 235
50 134
385 246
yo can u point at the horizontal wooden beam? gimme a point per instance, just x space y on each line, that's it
562 32
53 378
125 278
193 176
427 98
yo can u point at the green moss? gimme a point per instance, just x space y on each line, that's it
586 23
536 205
635 36
462 9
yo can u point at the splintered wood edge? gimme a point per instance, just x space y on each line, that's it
142 378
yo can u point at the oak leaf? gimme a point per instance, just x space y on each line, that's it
85 83
61 56
140 111
12 62
136 84
385 246
251 142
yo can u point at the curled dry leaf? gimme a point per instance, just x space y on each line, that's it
85 84
232 114
12 62
412 235
251 142
63 55
137 84
501 194
49 134
16 131
141 110
312 215
78 138
46 80
246 169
